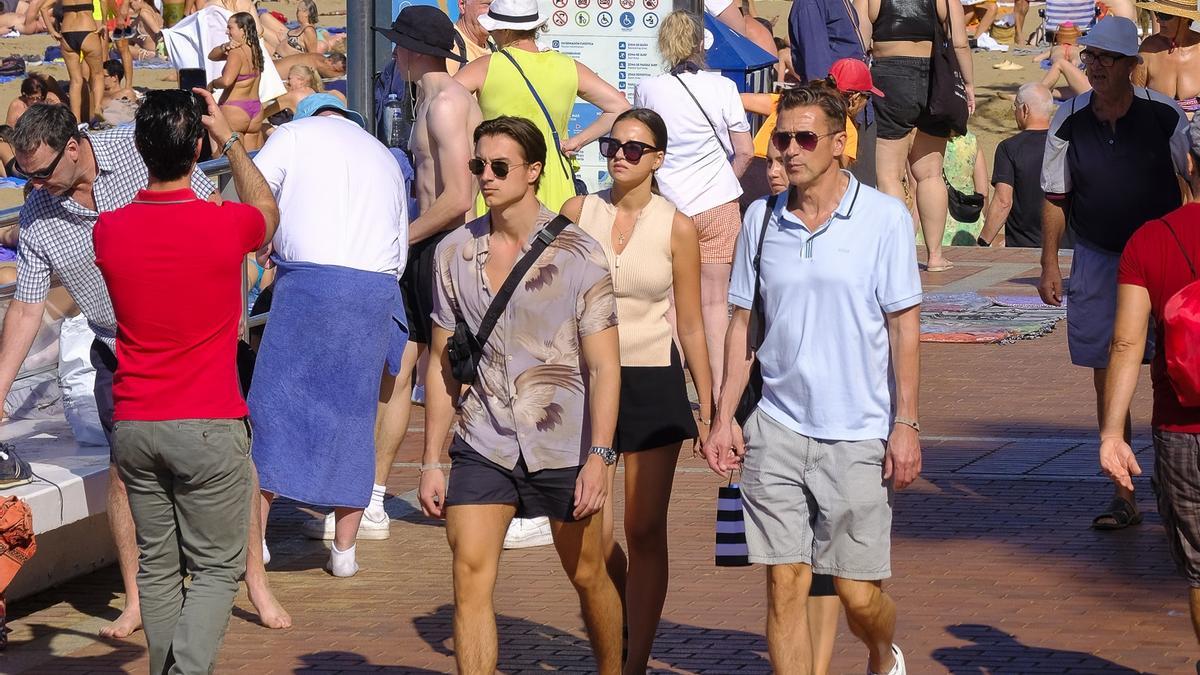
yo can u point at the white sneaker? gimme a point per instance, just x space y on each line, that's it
375 525
897 669
986 41
418 395
528 532
342 563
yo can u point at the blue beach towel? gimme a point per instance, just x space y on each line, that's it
316 381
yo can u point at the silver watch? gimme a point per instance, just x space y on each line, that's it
607 454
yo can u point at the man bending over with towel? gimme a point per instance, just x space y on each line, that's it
172 263
336 317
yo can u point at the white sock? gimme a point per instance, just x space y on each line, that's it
377 494
266 553
342 563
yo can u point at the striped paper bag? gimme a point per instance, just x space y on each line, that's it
731 527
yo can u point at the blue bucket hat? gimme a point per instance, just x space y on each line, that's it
315 103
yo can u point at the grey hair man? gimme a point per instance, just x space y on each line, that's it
1016 205
1102 185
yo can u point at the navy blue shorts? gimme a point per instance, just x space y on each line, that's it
475 479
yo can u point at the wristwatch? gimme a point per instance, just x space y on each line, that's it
233 138
983 242
607 454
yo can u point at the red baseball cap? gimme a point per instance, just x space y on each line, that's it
853 75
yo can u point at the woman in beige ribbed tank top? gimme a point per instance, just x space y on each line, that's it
653 251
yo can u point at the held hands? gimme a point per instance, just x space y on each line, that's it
724 448
591 488
431 493
1118 463
569 146
218 127
902 459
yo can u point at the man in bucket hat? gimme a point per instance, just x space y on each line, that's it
445 119
1104 184
1168 56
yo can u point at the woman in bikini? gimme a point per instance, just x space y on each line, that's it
83 51
239 80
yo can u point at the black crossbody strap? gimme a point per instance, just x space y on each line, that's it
549 120
756 319
500 302
702 112
1182 250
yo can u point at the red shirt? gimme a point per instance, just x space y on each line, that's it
1152 260
173 266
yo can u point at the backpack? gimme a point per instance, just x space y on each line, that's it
1181 335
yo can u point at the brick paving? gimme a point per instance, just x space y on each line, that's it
996 569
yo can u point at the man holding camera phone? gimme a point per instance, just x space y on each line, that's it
534 435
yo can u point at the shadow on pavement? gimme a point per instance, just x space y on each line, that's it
528 646
997 653
36 655
329 661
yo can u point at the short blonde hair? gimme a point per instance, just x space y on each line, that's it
311 76
681 38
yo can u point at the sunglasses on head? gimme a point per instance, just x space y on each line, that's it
500 167
807 140
632 150
40 174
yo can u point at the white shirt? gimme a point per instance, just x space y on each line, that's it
825 357
696 174
340 193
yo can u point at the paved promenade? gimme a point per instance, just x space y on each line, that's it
996 569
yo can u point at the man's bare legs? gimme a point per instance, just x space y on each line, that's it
822 630
580 548
270 613
787 619
120 522
476 536
1098 375
714 312
871 615
641 579
394 412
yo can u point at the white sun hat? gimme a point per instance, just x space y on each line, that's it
514 15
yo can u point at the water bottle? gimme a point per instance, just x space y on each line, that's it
393 122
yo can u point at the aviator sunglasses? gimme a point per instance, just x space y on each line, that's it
632 150
807 140
500 167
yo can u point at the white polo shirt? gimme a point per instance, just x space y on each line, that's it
825 358
341 196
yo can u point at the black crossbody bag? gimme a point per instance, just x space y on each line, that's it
465 348
757 328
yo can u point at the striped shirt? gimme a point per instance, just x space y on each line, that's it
1081 13
56 231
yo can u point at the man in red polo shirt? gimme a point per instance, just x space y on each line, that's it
173 267
1157 262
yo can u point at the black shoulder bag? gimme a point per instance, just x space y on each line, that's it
465 348
580 186
757 329
947 88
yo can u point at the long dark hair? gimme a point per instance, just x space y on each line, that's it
246 23
658 129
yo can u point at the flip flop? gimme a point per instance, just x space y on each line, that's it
1120 515
940 268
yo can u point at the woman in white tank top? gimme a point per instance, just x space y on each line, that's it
653 251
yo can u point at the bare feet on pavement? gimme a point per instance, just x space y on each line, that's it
270 613
127 624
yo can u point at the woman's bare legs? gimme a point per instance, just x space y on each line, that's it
926 159
75 80
93 56
714 312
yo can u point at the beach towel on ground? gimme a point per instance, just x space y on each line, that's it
316 381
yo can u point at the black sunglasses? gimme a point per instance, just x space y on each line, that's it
42 174
807 140
633 150
500 167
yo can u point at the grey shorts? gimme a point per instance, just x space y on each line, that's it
819 502
1092 307
1177 487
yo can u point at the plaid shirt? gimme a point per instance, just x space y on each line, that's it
56 232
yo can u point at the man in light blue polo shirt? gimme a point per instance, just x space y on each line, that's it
836 429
